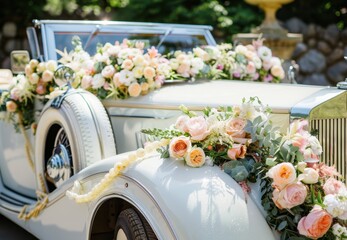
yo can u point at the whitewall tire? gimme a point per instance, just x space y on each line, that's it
81 127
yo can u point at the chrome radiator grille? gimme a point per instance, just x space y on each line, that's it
332 136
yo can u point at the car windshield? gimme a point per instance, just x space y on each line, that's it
58 35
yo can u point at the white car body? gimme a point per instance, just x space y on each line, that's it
177 201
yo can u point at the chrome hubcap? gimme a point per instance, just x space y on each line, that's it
58 166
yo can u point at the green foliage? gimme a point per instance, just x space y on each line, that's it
160 133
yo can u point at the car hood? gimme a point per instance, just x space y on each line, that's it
199 94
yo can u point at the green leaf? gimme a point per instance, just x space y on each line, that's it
282 225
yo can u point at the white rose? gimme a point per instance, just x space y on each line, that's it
301 166
51 65
98 81
34 78
264 53
41 67
174 63
315 145
126 77
86 81
138 72
139 60
332 205
339 230
240 49
33 63
309 176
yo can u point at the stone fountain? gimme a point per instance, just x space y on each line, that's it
277 38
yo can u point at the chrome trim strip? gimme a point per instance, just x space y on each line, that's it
124 23
304 108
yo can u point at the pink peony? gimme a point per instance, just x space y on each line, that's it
292 195
315 224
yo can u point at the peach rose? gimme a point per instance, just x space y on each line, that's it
47 76
179 146
237 151
292 195
134 89
333 186
28 70
282 174
315 224
51 65
197 128
149 72
195 157
277 71
11 106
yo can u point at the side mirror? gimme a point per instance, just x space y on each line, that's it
19 59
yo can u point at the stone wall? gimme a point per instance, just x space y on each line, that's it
320 56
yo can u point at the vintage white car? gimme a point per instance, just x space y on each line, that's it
82 138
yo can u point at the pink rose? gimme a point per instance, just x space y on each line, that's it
333 186
250 68
40 89
282 174
195 157
292 195
197 128
235 127
181 123
237 151
108 71
315 224
179 147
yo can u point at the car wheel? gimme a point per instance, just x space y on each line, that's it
70 138
130 226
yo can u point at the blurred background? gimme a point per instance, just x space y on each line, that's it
319 54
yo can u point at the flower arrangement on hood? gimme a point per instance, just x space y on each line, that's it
253 62
118 70
302 197
126 69
220 137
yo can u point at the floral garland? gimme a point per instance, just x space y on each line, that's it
76 193
126 69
